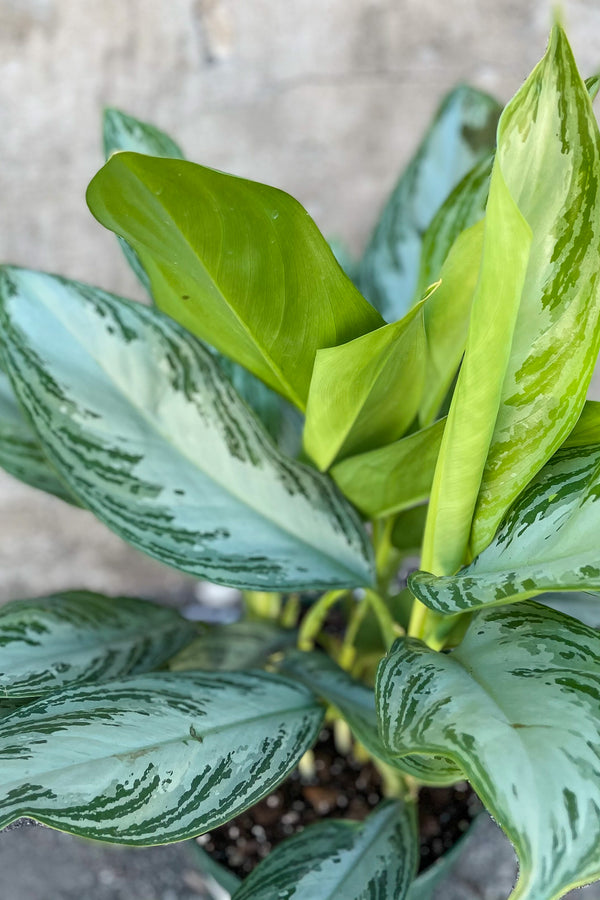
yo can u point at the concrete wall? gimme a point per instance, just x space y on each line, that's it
325 98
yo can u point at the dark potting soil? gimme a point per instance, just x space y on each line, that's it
342 788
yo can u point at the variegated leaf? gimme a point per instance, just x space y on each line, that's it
138 419
517 708
392 478
241 645
153 758
71 638
123 132
462 133
356 703
21 454
341 860
240 264
581 605
464 207
534 334
547 542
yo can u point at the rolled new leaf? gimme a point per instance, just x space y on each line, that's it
462 133
393 478
365 394
76 637
21 454
547 542
240 264
153 758
137 417
339 859
534 333
356 703
516 706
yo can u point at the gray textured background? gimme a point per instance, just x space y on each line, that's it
325 98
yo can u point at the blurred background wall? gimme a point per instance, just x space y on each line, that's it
325 98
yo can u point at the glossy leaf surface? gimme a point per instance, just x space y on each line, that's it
447 314
534 334
240 264
356 703
392 478
241 645
125 133
464 207
122 132
76 637
21 454
147 432
547 542
338 859
153 758
365 394
462 133
517 707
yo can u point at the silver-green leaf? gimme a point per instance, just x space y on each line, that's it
462 133
547 542
153 758
144 428
76 637
356 703
21 454
517 708
341 860
241 645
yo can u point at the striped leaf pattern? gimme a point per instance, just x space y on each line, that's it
356 703
547 542
535 327
463 208
517 708
71 638
241 645
21 454
341 860
153 758
138 419
462 133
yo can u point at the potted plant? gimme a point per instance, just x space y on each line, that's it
263 425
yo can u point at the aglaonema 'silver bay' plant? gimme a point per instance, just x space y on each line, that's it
267 423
